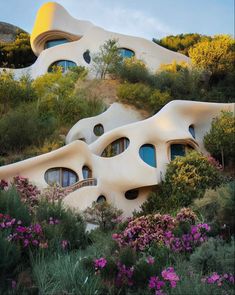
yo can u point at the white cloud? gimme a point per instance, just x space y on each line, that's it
116 18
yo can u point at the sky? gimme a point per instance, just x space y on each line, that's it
144 18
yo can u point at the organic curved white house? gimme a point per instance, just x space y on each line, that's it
123 163
58 38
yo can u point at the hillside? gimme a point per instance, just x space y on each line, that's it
8 32
15 48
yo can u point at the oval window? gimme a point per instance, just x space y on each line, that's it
148 154
61 176
126 53
132 194
101 199
52 43
87 57
98 129
192 130
86 172
116 147
65 65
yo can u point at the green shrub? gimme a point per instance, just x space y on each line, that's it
215 255
11 204
188 177
23 127
10 256
65 274
218 206
70 227
103 214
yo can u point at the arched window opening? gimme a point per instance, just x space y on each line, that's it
192 131
61 176
87 57
116 147
64 64
98 129
126 53
132 194
52 43
179 150
86 172
101 199
148 154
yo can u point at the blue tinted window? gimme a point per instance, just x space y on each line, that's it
192 130
148 155
64 64
177 150
86 172
126 53
52 43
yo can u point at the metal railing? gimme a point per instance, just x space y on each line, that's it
82 183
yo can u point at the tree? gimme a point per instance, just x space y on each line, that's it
220 139
215 56
105 61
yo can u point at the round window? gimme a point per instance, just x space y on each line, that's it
98 130
101 199
132 194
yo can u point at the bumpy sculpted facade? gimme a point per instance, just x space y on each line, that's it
123 163
58 38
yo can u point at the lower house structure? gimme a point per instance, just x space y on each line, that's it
118 156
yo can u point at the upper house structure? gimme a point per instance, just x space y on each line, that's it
59 39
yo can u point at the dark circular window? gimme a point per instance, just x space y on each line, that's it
132 194
87 57
61 176
98 130
101 199
192 131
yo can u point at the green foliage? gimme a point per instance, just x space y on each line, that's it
215 55
143 96
17 54
103 214
70 227
10 255
214 256
218 206
181 43
11 204
65 274
188 177
23 127
107 59
219 141
133 70
127 256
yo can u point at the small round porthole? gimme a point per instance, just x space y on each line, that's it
101 199
98 130
132 194
87 57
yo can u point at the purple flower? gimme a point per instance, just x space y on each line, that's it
64 244
150 260
13 284
100 263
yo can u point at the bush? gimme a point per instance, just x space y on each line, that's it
188 177
215 255
11 204
217 206
103 214
62 224
65 274
23 127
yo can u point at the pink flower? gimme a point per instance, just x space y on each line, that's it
13 284
64 244
100 263
150 260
